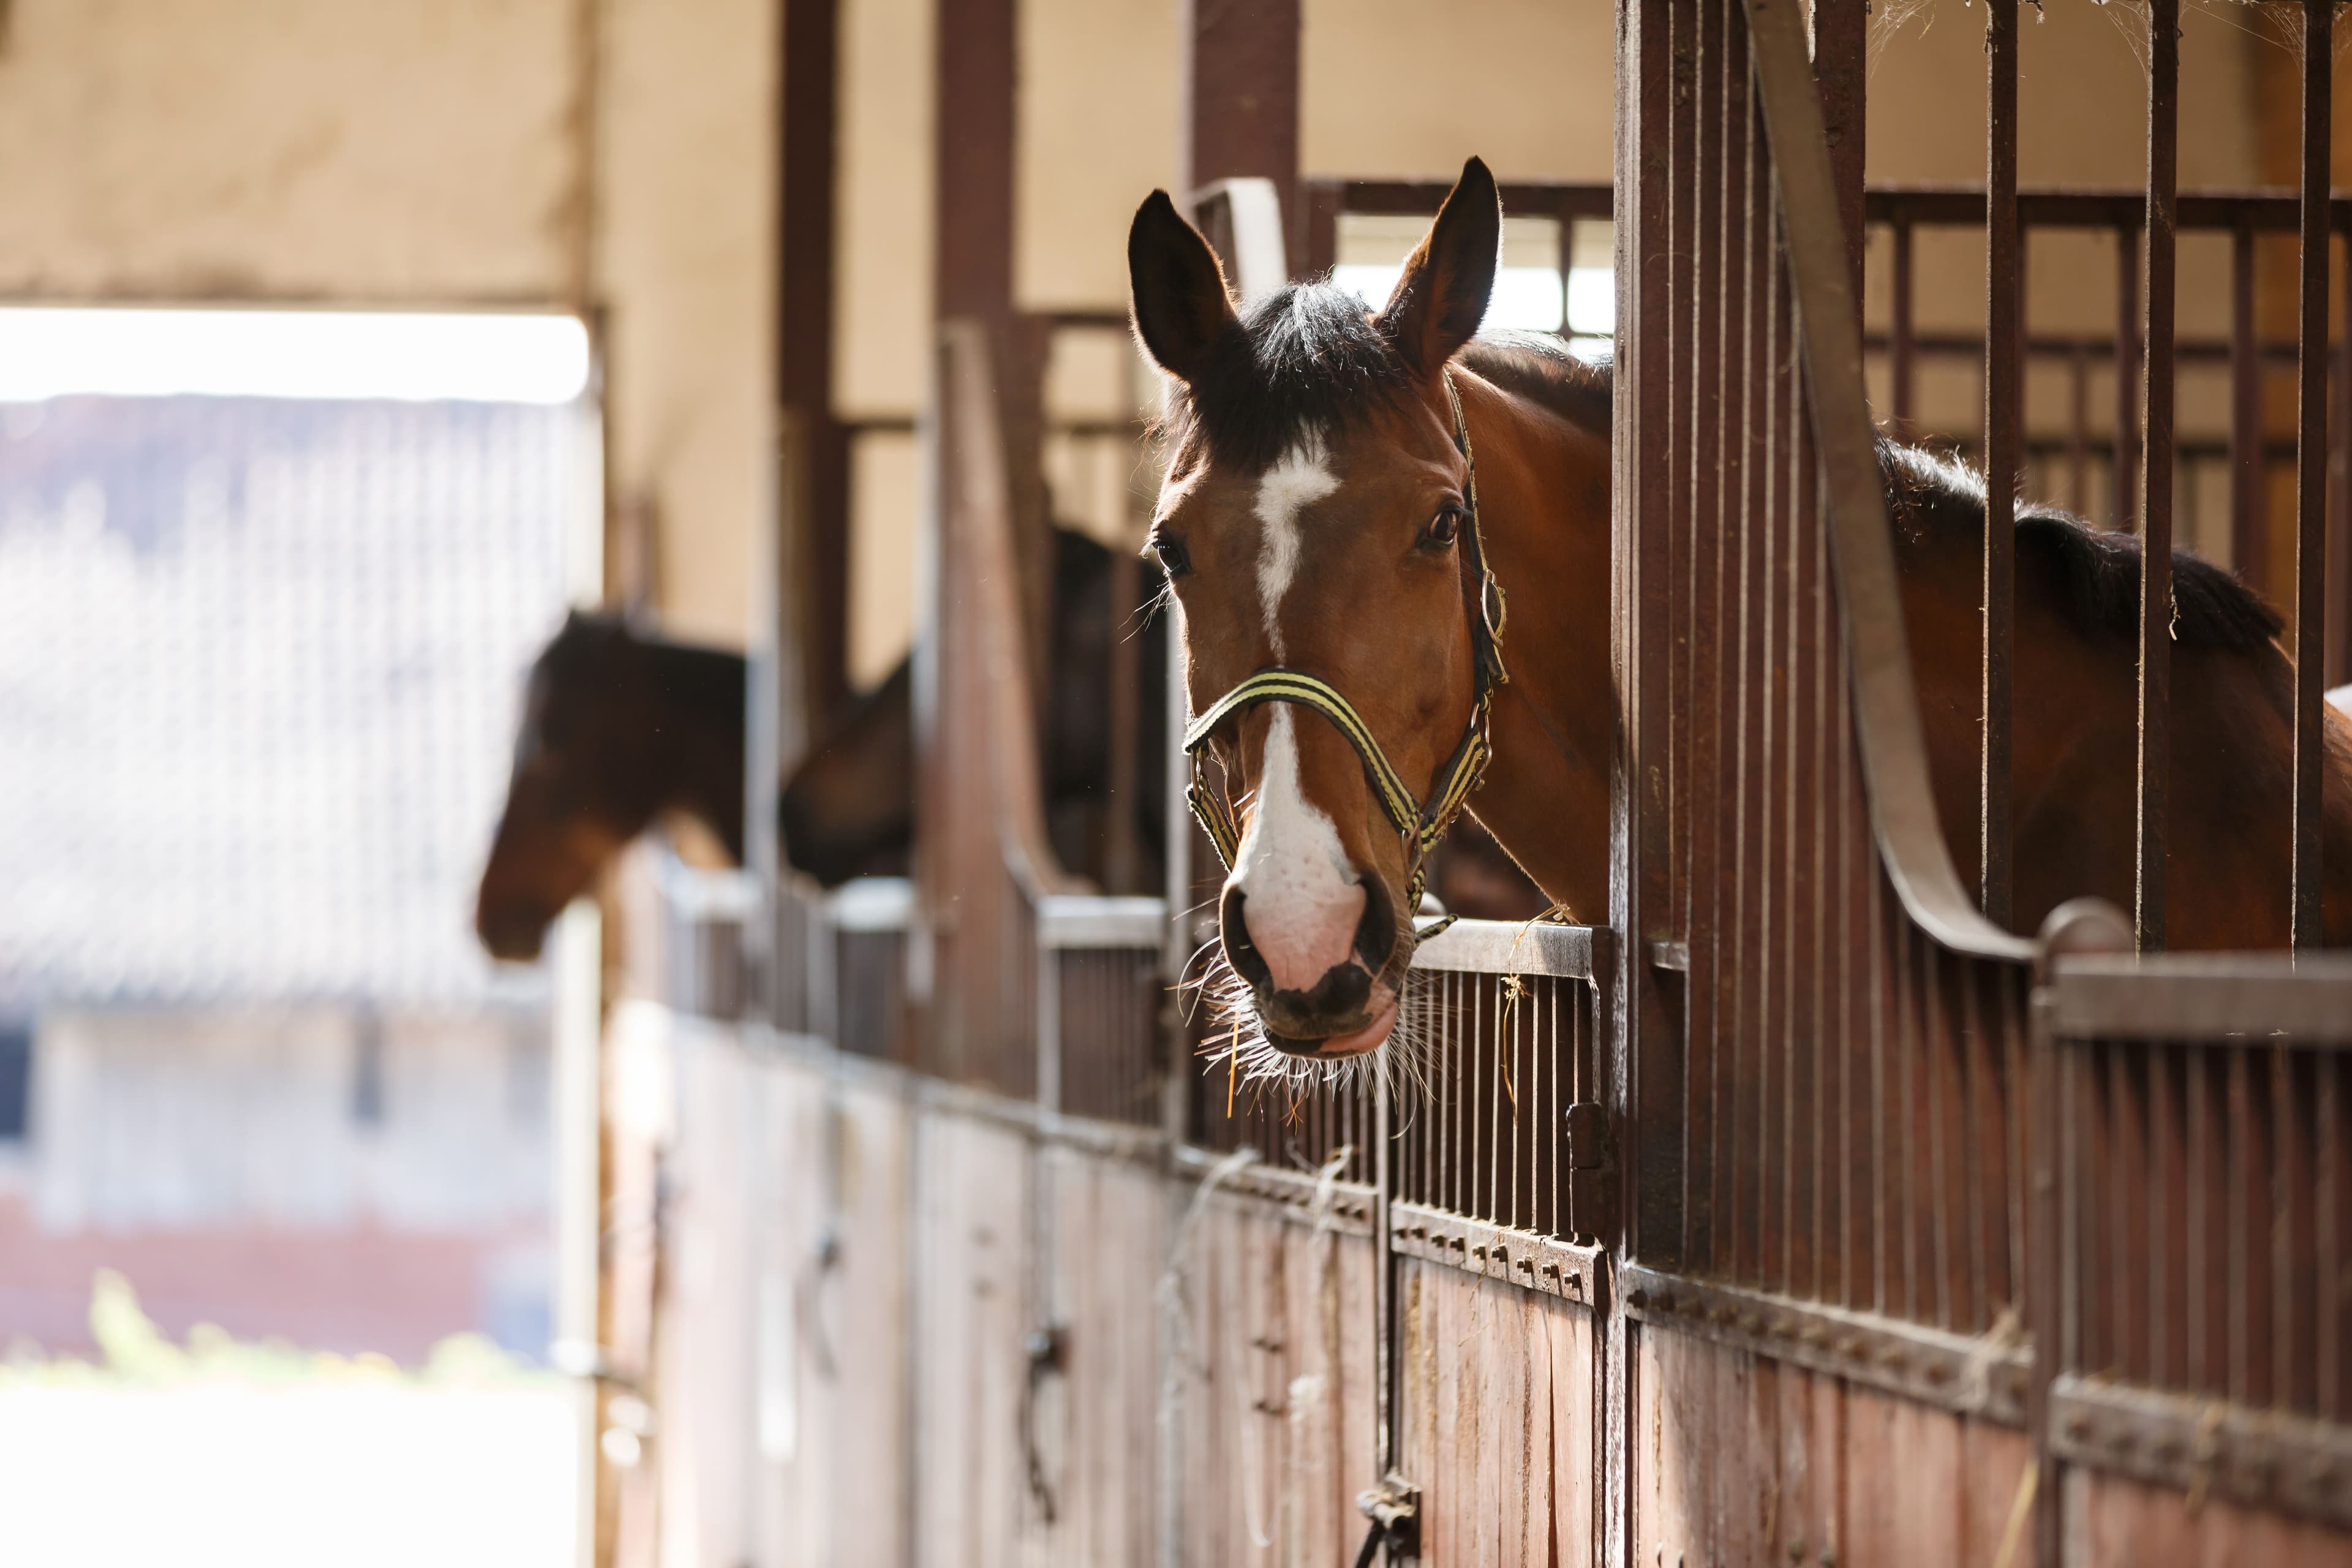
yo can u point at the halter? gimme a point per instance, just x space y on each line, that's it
1421 823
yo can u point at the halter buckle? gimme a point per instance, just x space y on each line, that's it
1493 608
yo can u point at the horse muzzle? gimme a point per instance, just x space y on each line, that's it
1324 999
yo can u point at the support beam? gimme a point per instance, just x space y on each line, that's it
814 478
1241 97
972 263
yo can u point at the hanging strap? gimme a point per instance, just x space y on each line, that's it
1421 824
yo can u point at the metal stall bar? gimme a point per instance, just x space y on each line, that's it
2311 473
1901 334
2123 487
2155 759
2004 418
2246 553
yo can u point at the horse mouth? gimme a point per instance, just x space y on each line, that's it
1356 1042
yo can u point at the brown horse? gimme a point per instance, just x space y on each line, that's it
1316 516
618 728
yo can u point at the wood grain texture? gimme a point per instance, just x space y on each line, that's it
972 1504
2111 1519
1496 1418
1275 1378
1098 1421
871 1328
1743 1460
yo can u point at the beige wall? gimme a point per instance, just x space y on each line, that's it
686 229
1400 88
236 149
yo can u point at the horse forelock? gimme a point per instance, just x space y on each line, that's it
1306 365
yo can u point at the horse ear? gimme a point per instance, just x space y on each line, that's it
1442 295
1176 291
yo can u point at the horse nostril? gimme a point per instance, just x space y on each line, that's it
1240 952
1376 930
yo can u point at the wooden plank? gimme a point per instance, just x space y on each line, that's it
1993 1462
1097 1420
971 1202
2114 1519
1574 1372
1497 1419
707 1337
874 1490
1676 1440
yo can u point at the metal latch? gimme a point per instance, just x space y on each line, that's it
1394 1508
1588 1136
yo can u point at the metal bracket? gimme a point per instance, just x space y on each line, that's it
1044 1345
1394 1508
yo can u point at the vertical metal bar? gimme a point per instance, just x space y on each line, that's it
2250 1296
1840 43
2339 538
2045 1300
2123 489
818 547
2293 1251
1641 1079
2165 1283
2078 422
1901 357
2156 467
2206 1317
1241 101
2246 530
2002 392
2335 1194
2311 474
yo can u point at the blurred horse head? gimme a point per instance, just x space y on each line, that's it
616 728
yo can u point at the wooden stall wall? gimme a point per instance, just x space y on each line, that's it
1742 1458
974 1305
1498 1417
1096 1410
1269 1305
1828 1043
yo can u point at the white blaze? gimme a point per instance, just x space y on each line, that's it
1301 898
1298 481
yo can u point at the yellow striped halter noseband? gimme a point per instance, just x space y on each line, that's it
1421 823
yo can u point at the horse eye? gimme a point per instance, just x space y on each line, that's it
1174 559
1443 529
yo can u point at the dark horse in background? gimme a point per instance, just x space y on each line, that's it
618 729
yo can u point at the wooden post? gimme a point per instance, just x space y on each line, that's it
976 84
815 514
1241 94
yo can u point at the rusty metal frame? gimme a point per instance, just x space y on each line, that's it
2256 1458
1894 743
1970 1376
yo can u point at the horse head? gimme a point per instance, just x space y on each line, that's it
1317 527
611 733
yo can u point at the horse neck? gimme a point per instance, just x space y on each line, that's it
1543 505
700 694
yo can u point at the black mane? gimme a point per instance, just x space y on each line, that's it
1305 360
1310 360
2096 573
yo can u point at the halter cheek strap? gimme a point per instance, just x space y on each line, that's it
1421 823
